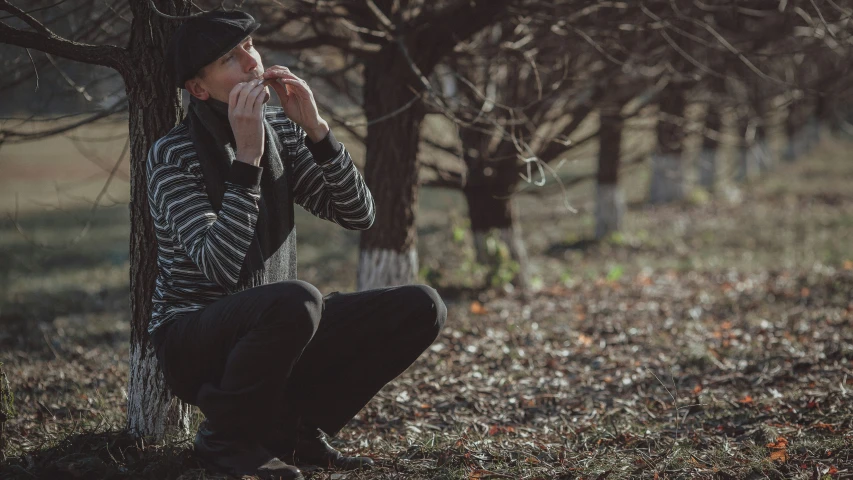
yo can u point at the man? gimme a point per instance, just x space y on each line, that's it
273 364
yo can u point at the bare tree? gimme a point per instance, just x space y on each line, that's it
153 108
399 45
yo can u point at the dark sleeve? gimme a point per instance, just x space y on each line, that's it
328 184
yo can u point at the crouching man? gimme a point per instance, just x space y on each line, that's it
275 366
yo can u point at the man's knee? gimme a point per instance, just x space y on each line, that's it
297 305
431 308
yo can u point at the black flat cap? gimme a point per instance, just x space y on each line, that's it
204 38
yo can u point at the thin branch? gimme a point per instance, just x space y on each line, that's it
60 2
79 88
171 17
118 107
349 45
46 41
25 17
35 69
88 224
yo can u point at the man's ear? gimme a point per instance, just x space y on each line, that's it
196 89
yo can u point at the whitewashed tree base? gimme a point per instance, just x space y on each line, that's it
152 411
385 268
753 161
517 250
707 169
609 210
667 184
763 156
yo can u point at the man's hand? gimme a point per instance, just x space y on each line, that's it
245 113
297 100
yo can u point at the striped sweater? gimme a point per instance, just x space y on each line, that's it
200 252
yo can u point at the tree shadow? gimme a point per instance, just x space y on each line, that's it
44 323
583 244
111 454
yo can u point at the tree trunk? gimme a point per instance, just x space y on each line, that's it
667 184
747 153
793 131
610 201
708 156
388 249
154 107
763 156
7 409
488 192
814 122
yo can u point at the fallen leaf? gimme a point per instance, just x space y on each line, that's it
781 442
779 456
826 426
496 429
746 399
477 308
780 450
848 265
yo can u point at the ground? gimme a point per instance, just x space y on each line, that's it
710 339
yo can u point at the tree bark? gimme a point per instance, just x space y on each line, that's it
7 409
815 121
667 184
154 107
760 151
610 201
708 156
488 192
793 132
747 153
392 77
388 249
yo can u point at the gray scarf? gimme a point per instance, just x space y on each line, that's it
272 253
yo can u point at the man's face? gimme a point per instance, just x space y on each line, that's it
241 64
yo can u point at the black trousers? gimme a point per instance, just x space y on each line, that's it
263 359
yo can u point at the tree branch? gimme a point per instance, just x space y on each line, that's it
43 39
349 45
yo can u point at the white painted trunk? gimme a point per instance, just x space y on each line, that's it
385 268
753 160
667 184
512 237
609 210
152 411
763 155
707 169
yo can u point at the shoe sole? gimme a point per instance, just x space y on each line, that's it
214 468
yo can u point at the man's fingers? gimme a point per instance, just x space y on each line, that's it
281 72
241 96
248 95
234 95
295 85
275 69
259 99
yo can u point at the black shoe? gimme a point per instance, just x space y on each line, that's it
312 448
238 457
